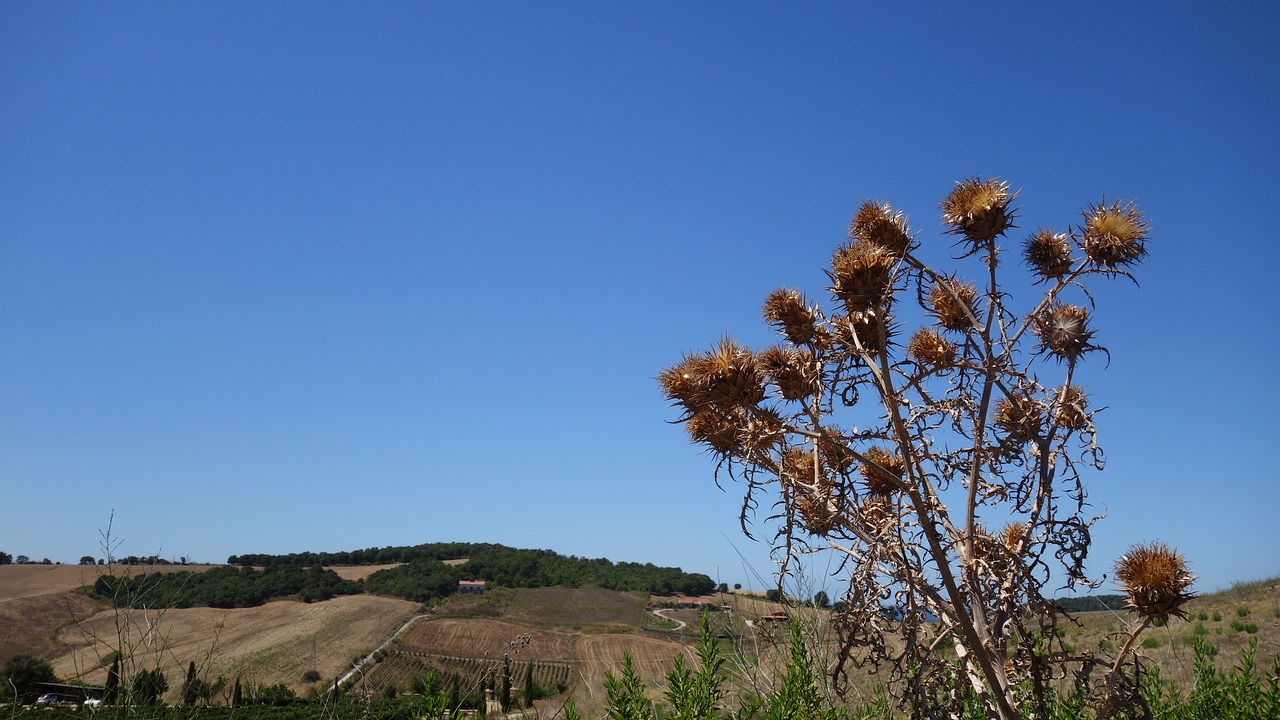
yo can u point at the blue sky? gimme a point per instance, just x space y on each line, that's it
284 276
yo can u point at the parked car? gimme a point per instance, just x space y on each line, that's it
48 699
93 702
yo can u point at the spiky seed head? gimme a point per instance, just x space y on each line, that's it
1114 235
1020 417
883 471
791 370
862 276
788 312
1072 413
862 329
710 429
1064 332
816 514
879 225
730 375
1013 536
876 514
929 348
835 449
952 302
978 209
1156 580
1048 253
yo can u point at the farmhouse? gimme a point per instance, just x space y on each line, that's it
470 587
779 616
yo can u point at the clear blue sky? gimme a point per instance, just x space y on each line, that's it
292 276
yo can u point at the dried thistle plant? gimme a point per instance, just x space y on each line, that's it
965 427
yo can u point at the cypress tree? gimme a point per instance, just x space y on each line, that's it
190 689
237 697
111 693
529 690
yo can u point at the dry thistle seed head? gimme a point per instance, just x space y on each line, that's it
791 370
1020 417
729 375
862 276
1114 235
883 471
1013 535
1064 331
710 429
835 450
879 225
787 311
1048 253
862 329
978 210
816 514
1072 413
952 302
1156 580
928 347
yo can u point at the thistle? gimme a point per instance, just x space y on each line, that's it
788 312
952 302
1020 417
978 210
928 347
862 276
1048 253
883 471
1071 414
791 371
879 225
1064 331
1156 580
1114 235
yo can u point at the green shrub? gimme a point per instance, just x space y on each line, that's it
1150 643
1242 611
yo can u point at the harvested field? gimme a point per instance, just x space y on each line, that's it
28 624
30 580
359 572
576 607
481 638
270 644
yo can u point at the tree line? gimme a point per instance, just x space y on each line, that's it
224 587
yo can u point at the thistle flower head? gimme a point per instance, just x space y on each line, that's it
1156 580
883 471
1114 235
862 276
929 348
1064 332
952 302
1072 412
711 429
726 377
1048 253
881 226
817 516
979 210
788 312
1020 417
1013 536
791 370
862 330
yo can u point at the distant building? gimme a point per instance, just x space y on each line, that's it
470 587
778 616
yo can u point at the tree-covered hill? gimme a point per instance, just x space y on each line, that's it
224 587
425 576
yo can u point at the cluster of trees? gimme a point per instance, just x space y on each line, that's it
369 556
7 559
224 587
429 578
24 675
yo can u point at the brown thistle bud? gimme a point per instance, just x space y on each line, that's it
816 514
978 210
928 347
879 225
861 330
1064 331
791 370
1072 408
1048 253
787 311
883 471
1156 580
876 514
1114 235
952 302
730 375
710 429
1020 417
835 450
1013 536
862 276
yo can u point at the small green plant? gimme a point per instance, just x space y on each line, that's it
1202 616
1217 617
1199 629
1242 611
1150 643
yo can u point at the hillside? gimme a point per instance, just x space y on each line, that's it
571 636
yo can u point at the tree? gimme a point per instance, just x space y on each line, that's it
6 558
88 560
530 690
947 471
821 599
148 687
24 675
23 560
191 686
111 693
